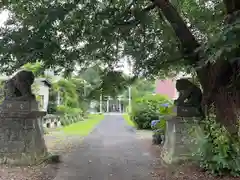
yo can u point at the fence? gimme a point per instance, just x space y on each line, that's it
54 121
51 121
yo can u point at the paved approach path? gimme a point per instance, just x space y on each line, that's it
111 152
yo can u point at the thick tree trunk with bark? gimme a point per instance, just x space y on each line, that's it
227 100
185 36
231 6
227 105
232 10
215 90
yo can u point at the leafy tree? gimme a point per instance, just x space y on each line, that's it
37 68
71 96
106 82
140 88
82 87
91 75
161 36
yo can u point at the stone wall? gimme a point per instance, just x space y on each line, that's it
51 121
54 121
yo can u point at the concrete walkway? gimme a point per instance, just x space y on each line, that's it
112 151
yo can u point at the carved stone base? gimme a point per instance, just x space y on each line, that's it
183 111
179 143
21 140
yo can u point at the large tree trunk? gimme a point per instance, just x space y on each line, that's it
231 6
227 105
227 100
224 100
188 41
185 36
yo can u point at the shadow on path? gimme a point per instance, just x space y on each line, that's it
111 152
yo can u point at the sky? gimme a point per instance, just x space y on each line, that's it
3 17
125 68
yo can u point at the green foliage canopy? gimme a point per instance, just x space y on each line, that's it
37 68
139 88
63 33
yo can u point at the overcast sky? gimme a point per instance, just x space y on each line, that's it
3 17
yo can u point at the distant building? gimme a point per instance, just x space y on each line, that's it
43 86
167 86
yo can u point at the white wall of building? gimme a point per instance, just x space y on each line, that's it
42 91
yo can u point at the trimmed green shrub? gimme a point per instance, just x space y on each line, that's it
61 109
70 119
64 121
148 108
52 107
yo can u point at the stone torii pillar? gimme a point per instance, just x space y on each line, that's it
119 104
108 103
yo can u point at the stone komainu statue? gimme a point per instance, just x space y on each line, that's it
18 88
189 95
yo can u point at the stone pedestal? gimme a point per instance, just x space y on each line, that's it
179 143
21 139
187 112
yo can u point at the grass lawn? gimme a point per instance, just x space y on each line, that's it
128 120
83 128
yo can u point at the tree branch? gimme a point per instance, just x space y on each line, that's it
232 9
149 8
137 21
185 36
231 6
